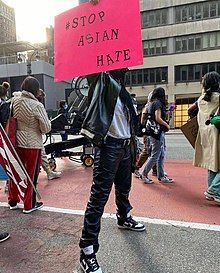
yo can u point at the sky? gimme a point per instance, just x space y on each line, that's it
33 16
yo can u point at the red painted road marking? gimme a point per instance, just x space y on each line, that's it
181 201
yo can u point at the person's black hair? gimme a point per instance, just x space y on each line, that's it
62 103
119 74
159 94
210 84
31 84
4 89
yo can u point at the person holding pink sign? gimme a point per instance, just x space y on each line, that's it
110 124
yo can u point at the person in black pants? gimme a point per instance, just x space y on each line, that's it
110 125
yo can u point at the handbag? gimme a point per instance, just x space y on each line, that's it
215 120
11 128
152 128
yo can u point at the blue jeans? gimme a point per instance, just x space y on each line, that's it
157 156
214 182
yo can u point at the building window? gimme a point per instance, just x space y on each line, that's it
140 77
191 45
193 12
206 10
154 18
212 40
197 42
194 72
147 76
205 68
213 10
155 47
198 12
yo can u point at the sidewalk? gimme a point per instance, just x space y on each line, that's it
47 242
40 242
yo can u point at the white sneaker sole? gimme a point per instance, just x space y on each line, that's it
97 271
210 197
167 181
133 229
31 210
217 200
6 238
13 208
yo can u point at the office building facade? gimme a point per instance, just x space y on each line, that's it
7 23
181 42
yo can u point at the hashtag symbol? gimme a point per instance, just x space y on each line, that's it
67 25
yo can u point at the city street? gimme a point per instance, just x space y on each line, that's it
91 66
182 226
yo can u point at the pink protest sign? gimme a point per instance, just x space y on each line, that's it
95 38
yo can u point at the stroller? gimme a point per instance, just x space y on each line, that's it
77 103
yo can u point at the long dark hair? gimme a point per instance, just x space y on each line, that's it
159 94
210 84
4 89
31 85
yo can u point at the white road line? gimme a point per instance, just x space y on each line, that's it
140 219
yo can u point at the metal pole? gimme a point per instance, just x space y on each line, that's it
29 67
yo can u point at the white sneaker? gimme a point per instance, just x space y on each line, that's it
212 196
147 180
166 179
13 207
137 174
54 175
38 206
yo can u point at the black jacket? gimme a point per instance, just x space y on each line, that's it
102 98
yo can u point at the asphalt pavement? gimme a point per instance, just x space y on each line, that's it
48 242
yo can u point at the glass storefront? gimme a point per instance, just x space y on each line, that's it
181 113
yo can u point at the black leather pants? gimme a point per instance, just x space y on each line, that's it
112 164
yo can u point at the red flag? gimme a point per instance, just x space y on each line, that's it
11 164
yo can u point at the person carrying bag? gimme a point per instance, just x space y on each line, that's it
157 125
